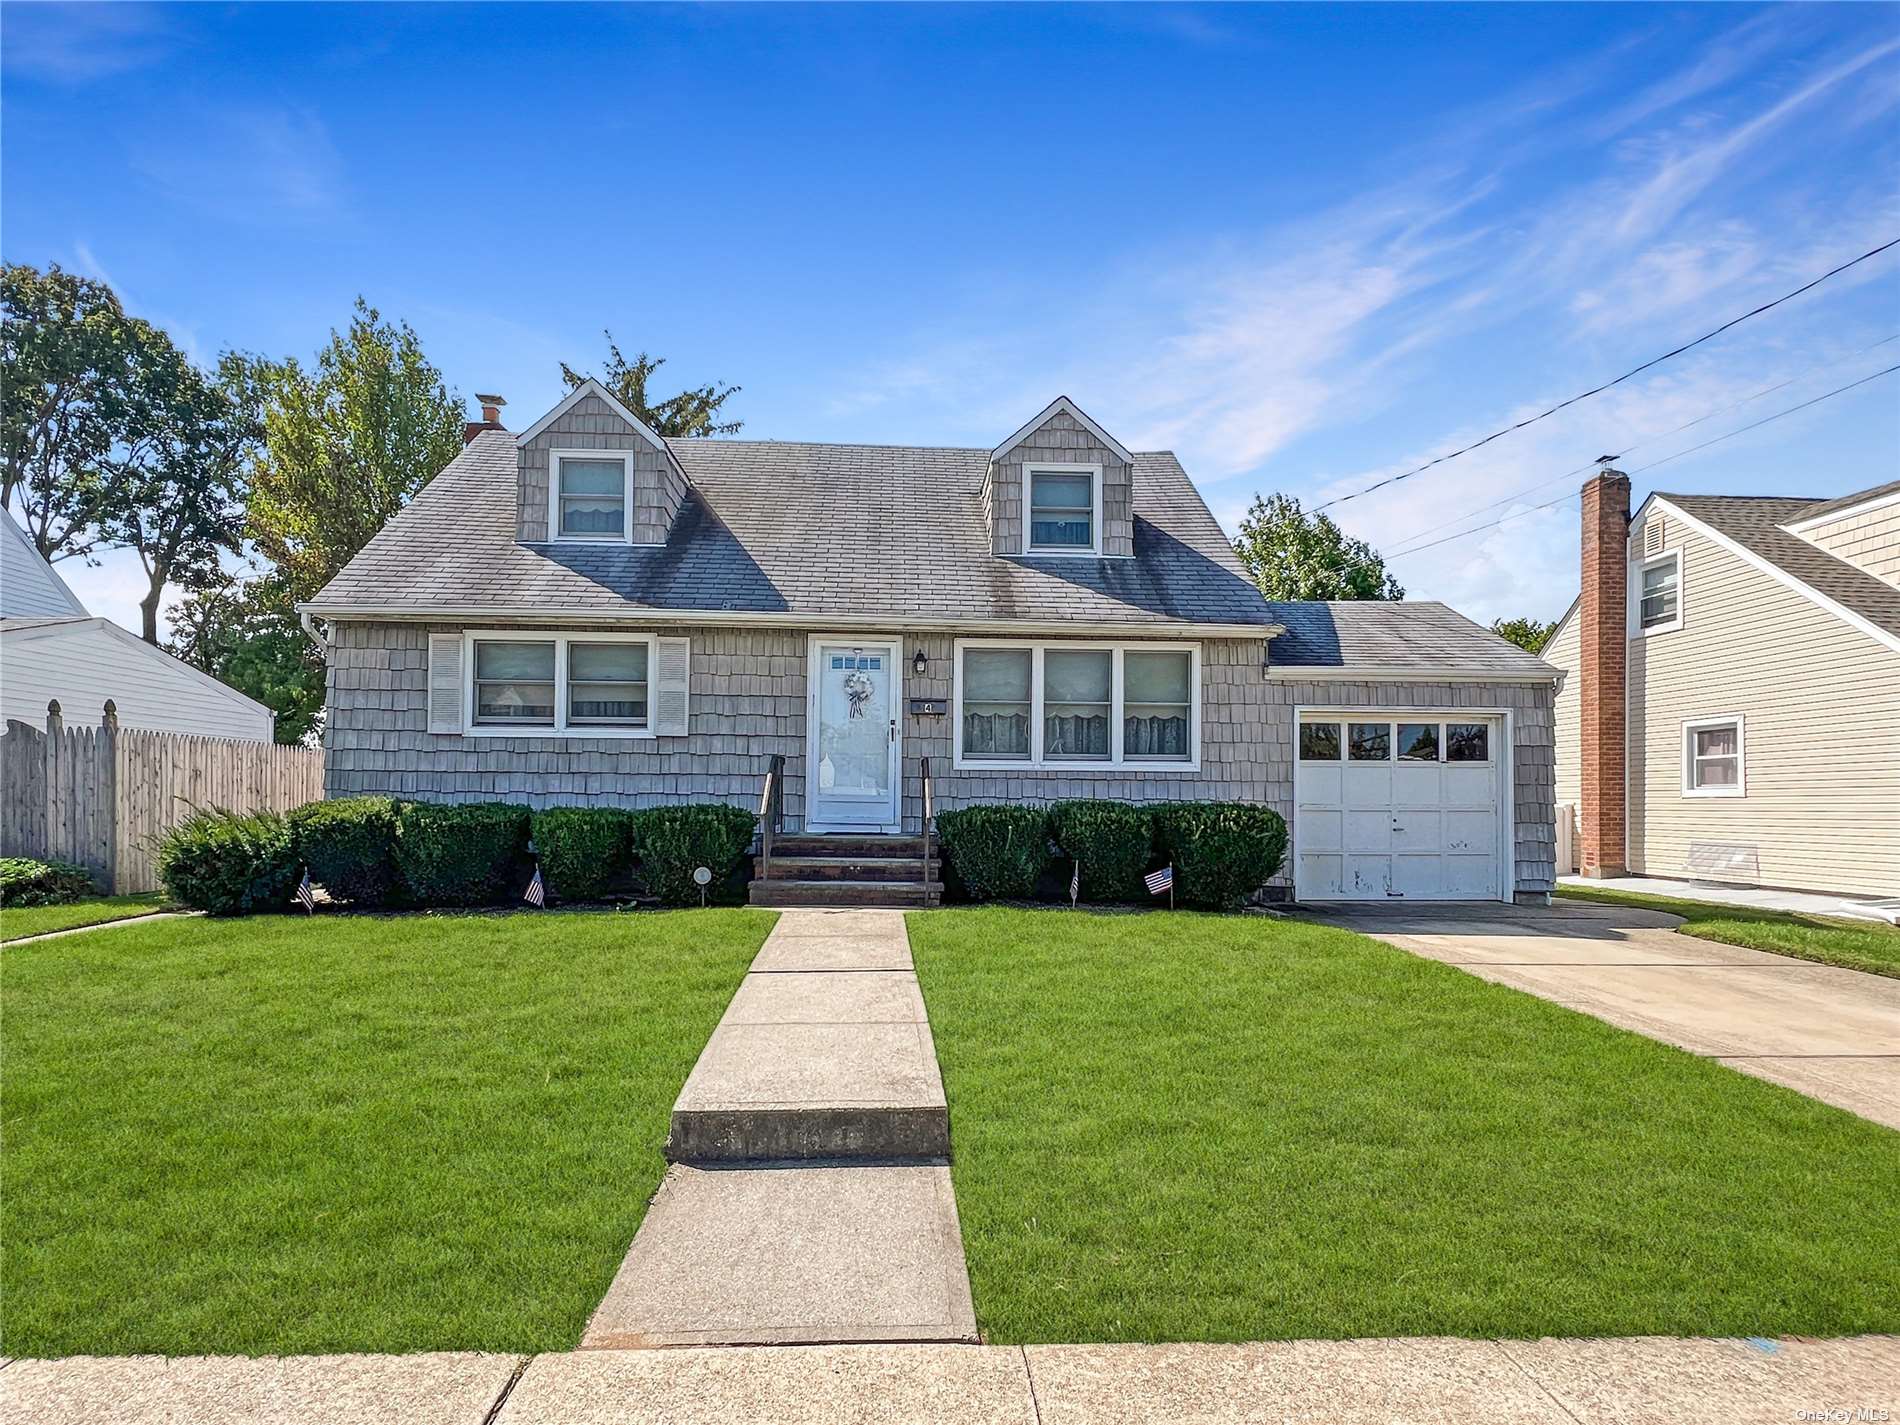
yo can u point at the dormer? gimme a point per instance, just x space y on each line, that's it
592 472
1061 487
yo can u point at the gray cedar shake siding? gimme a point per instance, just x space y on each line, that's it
590 424
1060 440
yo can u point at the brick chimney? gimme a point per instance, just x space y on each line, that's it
1603 623
491 418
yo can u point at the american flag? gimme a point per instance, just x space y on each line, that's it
307 893
1159 881
1075 884
537 893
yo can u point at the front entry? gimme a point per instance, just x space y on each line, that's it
855 746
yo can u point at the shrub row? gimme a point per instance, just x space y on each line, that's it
25 881
374 851
1221 851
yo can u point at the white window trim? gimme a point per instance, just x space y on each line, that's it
1116 763
1689 730
471 728
1043 467
555 457
1641 567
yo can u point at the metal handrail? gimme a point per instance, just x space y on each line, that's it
930 829
771 811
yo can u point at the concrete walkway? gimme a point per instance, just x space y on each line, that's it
1830 1033
1753 897
810 1196
1550 1382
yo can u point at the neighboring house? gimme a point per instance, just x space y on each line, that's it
51 649
1733 706
587 612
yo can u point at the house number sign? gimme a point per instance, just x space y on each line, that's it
928 707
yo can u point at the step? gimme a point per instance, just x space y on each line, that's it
775 892
849 868
808 843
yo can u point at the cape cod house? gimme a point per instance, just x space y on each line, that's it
587 612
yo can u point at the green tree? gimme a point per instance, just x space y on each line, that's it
246 633
693 411
1527 633
345 445
1294 555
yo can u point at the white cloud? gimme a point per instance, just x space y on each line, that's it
75 44
249 165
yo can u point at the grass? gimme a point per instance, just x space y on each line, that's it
346 1134
16 922
1828 940
1174 1127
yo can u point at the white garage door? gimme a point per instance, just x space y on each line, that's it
1406 806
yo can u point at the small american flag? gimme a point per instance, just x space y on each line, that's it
537 893
1159 881
307 893
1075 884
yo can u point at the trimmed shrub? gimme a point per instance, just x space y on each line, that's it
671 841
349 844
25 881
474 853
997 852
229 863
1222 852
1113 841
585 852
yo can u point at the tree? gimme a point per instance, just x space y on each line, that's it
691 412
1294 555
246 634
345 446
64 362
1527 633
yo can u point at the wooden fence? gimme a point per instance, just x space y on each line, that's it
103 796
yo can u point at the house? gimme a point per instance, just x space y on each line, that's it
1733 706
52 650
588 612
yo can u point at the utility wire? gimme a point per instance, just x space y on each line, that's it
1615 381
1741 430
1645 440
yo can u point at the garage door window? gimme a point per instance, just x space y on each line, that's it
1467 742
1319 742
1418 742
1370 741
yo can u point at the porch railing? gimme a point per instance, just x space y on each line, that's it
930 830
771 811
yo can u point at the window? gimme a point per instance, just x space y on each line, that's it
589 494
607 684
1077 705
1369 741
1062 513
1467 742
1418 742
581 684
1410 741
1712 758
1319 742
1659 594
514 684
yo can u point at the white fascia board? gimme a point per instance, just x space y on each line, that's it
1294 673
1876 502
1081 417
591 387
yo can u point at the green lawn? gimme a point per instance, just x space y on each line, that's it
1853 944
17 922
342 1134
1179 1127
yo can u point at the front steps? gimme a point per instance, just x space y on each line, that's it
815 870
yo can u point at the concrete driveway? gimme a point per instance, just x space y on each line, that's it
1832 1034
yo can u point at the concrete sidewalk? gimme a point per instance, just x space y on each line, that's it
1751 897
1381 1382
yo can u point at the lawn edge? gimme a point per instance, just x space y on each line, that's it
1667 905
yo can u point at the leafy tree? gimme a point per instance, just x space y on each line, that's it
693 411
1294 555
246 633
64 363
345 445
1527 633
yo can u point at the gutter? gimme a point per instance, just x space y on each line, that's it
1293 673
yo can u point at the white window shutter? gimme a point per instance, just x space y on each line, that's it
673 658
445 682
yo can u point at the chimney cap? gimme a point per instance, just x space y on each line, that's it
490 400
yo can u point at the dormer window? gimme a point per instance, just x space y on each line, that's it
1065 509
590 492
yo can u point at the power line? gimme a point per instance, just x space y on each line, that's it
1646 440
1741 430
1616 381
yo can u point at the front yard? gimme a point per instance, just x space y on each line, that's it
342 1134
1180 1127
1828 940
18 922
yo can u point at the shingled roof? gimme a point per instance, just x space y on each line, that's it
1420 637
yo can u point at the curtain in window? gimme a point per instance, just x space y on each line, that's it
514 683
1156 704
996 703
1076 704
593 496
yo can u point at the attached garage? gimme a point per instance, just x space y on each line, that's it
1402 804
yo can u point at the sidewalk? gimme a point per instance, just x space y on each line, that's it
1753 897
1384 1382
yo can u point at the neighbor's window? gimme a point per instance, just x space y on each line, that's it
607 684
1157 705
1059 705
1062 510
1319 742
1077 701
591 496
1418 742
514 684
996 707
1660 591
1712 758
1467 742
1370 741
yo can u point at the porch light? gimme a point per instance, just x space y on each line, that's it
919 665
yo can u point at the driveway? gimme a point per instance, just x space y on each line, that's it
1830 1033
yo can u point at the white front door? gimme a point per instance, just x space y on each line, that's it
856 734
1399 806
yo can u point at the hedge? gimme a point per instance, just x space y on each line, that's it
1222 852
584 852
474 853
349 844
1113 842
671 841
25 881
997 852
227 863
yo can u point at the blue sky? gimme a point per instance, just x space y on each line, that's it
1303 247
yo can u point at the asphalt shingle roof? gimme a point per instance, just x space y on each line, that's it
1420 635
1847 502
